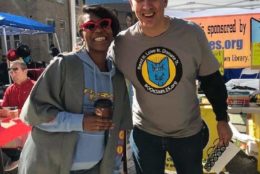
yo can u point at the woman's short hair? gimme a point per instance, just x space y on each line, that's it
100 12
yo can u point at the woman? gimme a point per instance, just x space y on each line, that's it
67 137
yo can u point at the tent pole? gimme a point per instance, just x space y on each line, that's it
5 42
57 40
73 24
5 53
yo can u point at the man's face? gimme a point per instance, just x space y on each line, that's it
17 73
150 13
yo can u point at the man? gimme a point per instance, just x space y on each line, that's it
162 57
16 94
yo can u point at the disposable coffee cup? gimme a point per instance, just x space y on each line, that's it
104 108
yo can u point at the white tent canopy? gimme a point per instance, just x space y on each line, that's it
199 5
194 8
198 8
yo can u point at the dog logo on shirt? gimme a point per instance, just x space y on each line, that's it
159 70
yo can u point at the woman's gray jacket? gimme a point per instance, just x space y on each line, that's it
61 88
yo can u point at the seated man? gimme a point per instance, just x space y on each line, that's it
16 94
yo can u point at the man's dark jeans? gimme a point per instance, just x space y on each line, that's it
93 170
149 152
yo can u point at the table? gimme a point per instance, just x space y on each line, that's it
253 83
11 129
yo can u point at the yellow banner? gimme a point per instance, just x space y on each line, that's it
256 55
230 33
219 54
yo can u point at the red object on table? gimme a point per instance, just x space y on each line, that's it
9 134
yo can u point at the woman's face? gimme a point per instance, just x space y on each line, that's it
97 33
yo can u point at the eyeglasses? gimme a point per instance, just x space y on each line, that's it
13 69
92 26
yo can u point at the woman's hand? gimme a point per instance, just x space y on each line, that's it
96 123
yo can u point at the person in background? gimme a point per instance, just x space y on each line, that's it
3 72
54 51
67 137
115 12
23 51
14 97
162 57
11 56
16 94
129 20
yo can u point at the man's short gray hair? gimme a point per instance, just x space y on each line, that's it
19 62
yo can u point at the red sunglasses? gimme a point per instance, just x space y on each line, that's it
92 26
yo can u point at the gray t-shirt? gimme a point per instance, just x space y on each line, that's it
163 71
